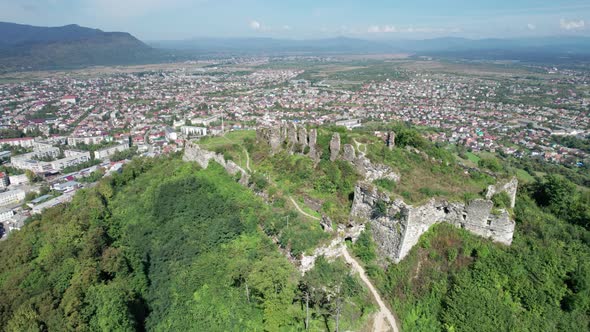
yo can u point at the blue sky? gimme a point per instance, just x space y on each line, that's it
375 19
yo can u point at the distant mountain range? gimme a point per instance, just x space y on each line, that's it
25 47
515 49
30 47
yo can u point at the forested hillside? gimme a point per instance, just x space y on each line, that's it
168 246
165 246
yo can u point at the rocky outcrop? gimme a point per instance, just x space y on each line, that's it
510 188
396 227
335 147
193 152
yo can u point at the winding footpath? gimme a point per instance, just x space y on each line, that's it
301 211
384 317
247 160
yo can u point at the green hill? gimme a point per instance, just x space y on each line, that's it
166 245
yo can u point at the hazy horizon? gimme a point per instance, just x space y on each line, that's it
154 20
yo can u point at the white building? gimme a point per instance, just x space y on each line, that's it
6 215
193 131
66 186
68 100
349 124
171 135
12 197
4 180
25 142
88 140
205 121
16 180
27 162
107 152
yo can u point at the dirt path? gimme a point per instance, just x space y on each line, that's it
384 320
247 160
358 147
301 211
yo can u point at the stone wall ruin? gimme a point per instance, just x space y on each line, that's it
510 188
290 136
398 228
193 152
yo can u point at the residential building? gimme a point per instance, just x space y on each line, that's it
4 180
68 100
193 131
107 152
12 197
6 215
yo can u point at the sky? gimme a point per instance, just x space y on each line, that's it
152 20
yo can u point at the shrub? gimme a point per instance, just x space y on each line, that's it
380 209
490 163
501 200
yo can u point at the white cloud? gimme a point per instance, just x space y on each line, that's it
287 28
255 25
375 29
572 25
382 29
531 26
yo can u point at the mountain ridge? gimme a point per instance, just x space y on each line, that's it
519 48
27 47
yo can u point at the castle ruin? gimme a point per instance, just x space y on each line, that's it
291 138
396 226
193 152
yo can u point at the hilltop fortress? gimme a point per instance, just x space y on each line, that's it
396 227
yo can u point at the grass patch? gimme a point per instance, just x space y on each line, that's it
473 157
524 176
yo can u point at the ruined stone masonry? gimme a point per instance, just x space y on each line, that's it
335 147
509 187
193 152
399 228
396 226
290 136
390 141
